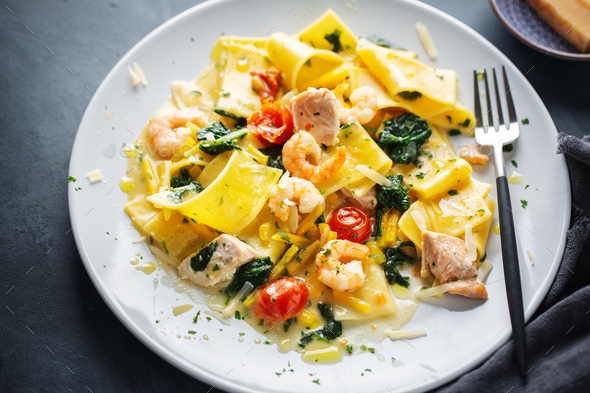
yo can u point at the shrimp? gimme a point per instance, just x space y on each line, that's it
295 153
363 101
472 155
298 191
168 132
339 264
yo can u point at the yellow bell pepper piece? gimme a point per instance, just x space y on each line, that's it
257 155
290 238
308 221
375 252
304 258
150 177
308 318
250 299
279 267
391 228
165 173
351 301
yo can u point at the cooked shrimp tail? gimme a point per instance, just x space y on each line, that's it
299 191
363 102
339 264
167 130
302 145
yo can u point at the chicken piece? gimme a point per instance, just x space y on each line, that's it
367 202
469 288
230 253
446 257
316 111
473 156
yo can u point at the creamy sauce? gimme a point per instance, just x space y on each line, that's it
356 334
496 229
147 268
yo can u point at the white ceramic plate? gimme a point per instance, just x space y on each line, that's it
461 332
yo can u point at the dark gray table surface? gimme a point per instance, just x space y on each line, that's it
56 332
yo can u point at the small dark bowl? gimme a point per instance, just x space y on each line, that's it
526 25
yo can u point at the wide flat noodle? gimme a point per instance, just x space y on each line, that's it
196 93
299 62
233 200
440 168
375 291
236 95
409 227
481 231
361 149
328 23
402 74
451 211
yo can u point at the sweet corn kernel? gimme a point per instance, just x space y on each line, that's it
264 231
308 318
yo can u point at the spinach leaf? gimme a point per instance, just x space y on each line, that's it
403 137
180 181
396 195
276 163
217 129
288 323
240 121
331 331
410 95
275 158
375 39
193 188
377 231
321 219
396 256
223 144
200 261
334 39
256 272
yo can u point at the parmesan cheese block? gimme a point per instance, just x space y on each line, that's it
569 18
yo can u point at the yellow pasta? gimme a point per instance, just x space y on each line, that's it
300 62
223 205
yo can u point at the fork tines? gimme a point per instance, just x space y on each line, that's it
504 134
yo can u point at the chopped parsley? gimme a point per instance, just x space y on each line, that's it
421 175
485 255
453 192
525 121
514 163
237 315
196 92
163 243
524 202
507 148
410 95
71 179
454 132
196 318
334 39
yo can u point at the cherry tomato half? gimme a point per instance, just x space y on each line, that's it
282 299
351 224
266 83
273 123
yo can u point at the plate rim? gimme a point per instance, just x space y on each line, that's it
194 371
538 47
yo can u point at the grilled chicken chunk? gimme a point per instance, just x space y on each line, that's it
447 258
230 253
316 111
367 202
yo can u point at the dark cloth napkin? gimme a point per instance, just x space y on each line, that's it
558 335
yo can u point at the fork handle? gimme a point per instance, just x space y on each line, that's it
511 272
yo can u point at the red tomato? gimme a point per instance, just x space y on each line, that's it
351 224
282 299
272 123
266 83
